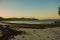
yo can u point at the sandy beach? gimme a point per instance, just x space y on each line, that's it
39 34
32 31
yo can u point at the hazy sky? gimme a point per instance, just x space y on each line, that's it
42 9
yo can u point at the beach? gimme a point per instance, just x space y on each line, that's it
31 31
39 34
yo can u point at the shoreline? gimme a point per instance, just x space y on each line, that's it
30 31
34 26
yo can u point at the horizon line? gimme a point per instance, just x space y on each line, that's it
31 17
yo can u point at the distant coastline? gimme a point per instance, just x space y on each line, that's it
23 19
18 19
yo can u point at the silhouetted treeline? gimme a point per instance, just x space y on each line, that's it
18 19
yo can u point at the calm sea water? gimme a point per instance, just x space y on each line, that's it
35 22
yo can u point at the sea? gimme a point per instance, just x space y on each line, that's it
34 21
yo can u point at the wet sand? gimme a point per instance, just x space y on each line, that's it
33 26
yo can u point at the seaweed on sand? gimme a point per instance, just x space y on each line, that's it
9 33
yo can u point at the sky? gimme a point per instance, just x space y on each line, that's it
41 9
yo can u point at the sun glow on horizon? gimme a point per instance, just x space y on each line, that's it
37 17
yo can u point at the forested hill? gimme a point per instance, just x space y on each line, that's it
17 19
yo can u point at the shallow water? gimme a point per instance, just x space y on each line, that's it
34 22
